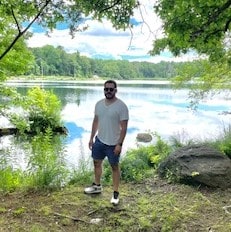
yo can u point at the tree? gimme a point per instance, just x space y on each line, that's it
202 26
17 16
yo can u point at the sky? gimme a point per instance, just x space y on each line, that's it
102 41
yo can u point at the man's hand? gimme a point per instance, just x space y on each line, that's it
90 144
118 149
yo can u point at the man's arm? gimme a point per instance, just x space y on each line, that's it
93 130
124 125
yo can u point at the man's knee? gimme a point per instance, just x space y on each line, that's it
115 167
97 163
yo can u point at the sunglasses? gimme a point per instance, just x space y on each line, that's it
109 89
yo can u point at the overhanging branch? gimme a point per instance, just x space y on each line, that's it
21 33
213 18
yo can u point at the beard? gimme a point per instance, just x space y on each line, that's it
109 95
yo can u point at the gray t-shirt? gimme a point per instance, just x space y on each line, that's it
109 117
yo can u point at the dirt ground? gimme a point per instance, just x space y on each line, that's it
153 205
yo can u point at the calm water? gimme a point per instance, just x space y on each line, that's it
153 107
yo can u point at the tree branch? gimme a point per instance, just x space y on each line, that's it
111 6
227 25
70 217
16 21
218 30
212 19
144 23
141 14
131 38
21 33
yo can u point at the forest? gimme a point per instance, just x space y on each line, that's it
55 61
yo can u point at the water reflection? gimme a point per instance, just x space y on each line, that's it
153 108
12 152
74 132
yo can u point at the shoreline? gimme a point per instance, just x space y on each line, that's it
96 81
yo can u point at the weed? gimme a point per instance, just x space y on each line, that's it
45 210
2 210
47 168
19 211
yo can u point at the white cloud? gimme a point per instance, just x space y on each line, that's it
101 40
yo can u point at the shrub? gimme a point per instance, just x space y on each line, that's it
223 143
82 174
135 164
10 179
159 151
47 168
41 110
140 163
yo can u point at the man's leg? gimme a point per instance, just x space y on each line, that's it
98 171
96 186
116 177
116 182
114 162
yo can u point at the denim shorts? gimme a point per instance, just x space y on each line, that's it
101 150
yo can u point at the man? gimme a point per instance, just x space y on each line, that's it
110 121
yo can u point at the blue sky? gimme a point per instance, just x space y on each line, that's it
102 41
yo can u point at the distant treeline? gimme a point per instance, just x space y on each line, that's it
51 61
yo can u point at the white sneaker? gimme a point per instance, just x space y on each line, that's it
115 198
93 189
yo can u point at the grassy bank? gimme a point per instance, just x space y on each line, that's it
151 205
37 199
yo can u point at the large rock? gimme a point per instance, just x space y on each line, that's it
198 164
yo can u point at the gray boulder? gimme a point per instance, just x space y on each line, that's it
144 137
198 164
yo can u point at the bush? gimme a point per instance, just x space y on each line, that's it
10 179
140 163
135 164
223 143
41 110
47 167
159 151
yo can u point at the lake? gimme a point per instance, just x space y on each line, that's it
154 106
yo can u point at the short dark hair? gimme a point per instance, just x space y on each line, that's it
111 82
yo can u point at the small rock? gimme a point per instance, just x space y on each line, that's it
96 220
144 137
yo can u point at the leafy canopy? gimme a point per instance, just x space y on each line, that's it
47 13
17 16
201 25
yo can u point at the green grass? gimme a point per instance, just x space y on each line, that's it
151 205
147 202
